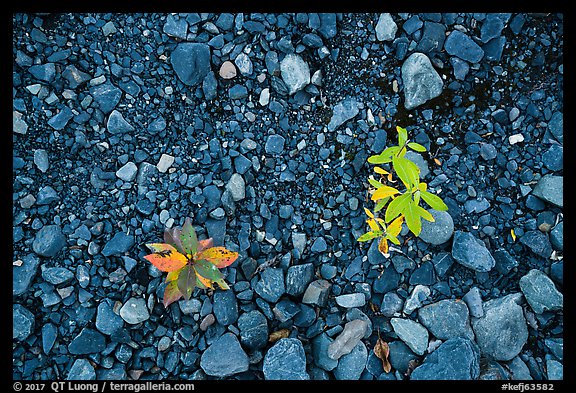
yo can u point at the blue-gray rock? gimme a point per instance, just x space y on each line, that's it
46 195
351 300
118 371
216 230
501 333
455 359
412 333
419 295
553 158
320 346
117 124
401 263
107 321
342 112
286 360
210 86
375 257
236 186
471 252
43 72
433 37
225 307
421 81
351 366
461 68
191 62
494 48
86 342
237 92
423 275
49 241
473 300
551 189
242 164
271 285
387 281
556 126
57 275
556 347
554 370
272 63
41 160
319 245
118 245
391 304
253 327
225 357
23 275
295 72
285 310
477 205
461 45
519 370
274 144
504 261
491 28
328 26
317 293
488 151
134 311
540 292
22 322
157 125
345 342
298 277
439 231
401 356
177 28
81 370
386 28
106 96
49 335
446 319
127 172
442 263
556 236
59 121
537 242
74 76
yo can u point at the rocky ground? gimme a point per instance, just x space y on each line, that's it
258 126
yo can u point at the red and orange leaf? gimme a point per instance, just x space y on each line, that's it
205 244
166 257
173 275
172 237
171 293
219 256
203 280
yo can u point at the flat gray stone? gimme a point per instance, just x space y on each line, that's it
225 357
345 342
412 333
49 241
286 360
191 62
471 252
295 72
540 292
22 322
342 112
23 275
386 28
81 370
439 231
455 359
421 81
134 311
551 189
352 365
446 319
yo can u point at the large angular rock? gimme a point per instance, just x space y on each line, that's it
421 81
460 45
253 327
342 112
551 189
320 346
117 124
49 241
286 360
106 96
412 333
501 332
191 62
87 342
225 357
540 292
23 275
81 370
386 28
347 339
295 72
471 252
118 245
538 243
22 322
446 319
134 311
352 365
455 359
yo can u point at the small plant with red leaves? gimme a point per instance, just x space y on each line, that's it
189 262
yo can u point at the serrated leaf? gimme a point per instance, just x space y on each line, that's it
395 227
396 207
425 214
381 171
368 213
171 294
218 256
165 257
402 135
434 201
383 192
186 282
382 351
416 147
369 236
207 270
383 246
373 225
407 171
380 204
188 237
172 237
412 216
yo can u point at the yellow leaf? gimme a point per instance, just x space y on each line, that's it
513 234
383 246
380 171
438 162
382 350
368 213
384 192
373 225
395 226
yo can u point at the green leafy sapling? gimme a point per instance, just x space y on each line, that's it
401 205
189 262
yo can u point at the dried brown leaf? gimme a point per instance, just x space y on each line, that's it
382 350
277 335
